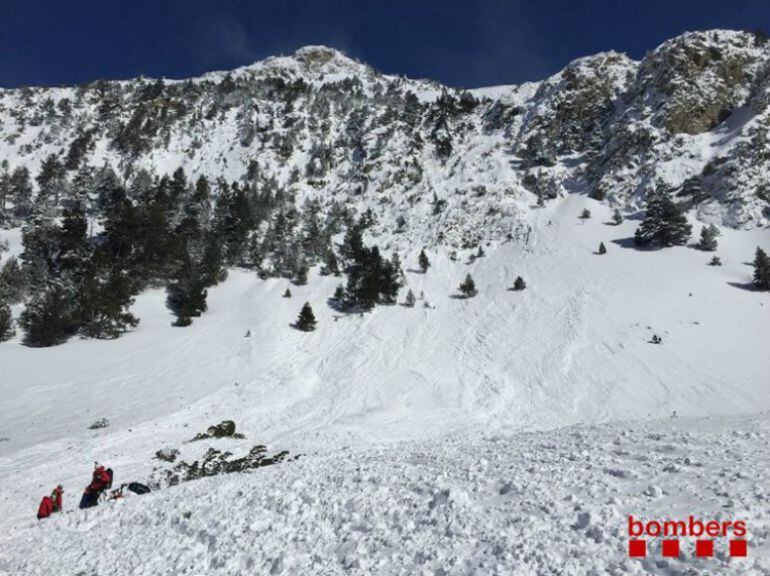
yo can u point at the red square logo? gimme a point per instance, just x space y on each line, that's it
637 548
704 548
671 548
738 548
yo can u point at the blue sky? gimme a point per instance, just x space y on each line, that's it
459 42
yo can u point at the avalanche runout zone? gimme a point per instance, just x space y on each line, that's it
531 503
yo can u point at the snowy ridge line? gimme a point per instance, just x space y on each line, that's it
321 126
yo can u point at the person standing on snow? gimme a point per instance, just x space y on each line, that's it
56 496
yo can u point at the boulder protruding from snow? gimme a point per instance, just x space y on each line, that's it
225 429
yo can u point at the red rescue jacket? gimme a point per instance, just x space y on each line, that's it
46 508
100 480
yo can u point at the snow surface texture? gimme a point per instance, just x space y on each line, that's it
530 504
414 424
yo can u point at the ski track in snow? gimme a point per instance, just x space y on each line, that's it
425 431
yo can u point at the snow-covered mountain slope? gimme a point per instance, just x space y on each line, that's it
691 115
433 438
427 399
571 347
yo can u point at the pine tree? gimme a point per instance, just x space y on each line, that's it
602 248
300 278
371 280
468 287
74 249
5 190
715 261
480 253
104 299
314 240
49 318
6 320
306 320
585 214
330 264
13 281
409 302
211 265
287 293
186 294
20 191
617 217
339 294
389 282
160 250
52 184
40 240
395 261
519 283
353 243
423 261
708 238
761 270
664 223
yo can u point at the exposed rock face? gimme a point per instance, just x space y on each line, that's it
694 82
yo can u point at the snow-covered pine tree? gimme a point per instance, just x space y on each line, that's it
761 269
331 265
306 320
5 190
708 238
211 266
468 287
20 191
585 214
423 261
40 240
300 279
395 261
353 243
715 261
73 247
287 293
49 317
617 217
519 283
52 185
186 293
6 320
664 223
602 248
104 299
409 301
13 281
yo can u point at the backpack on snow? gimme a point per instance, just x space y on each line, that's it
138 488
46 508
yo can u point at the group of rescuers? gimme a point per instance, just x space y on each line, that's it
101 481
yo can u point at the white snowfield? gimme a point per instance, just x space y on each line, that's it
510 433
